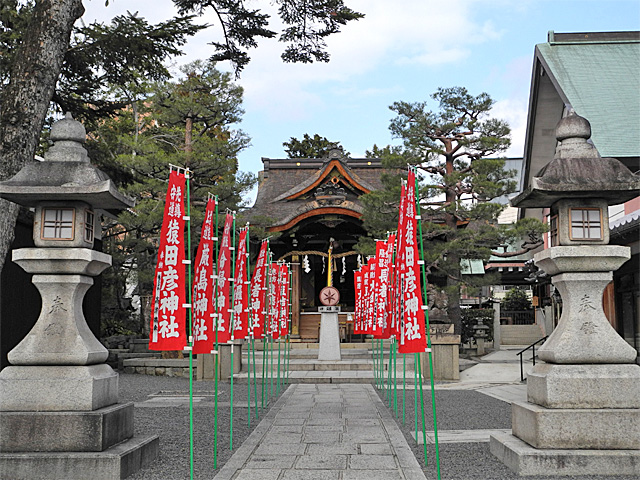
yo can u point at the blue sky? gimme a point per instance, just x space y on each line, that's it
402 50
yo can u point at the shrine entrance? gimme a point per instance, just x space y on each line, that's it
306 246
312 204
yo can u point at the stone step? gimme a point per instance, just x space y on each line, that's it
170 367
259 345
315 364
312 354
117 357
330 376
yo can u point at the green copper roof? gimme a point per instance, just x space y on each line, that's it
600 78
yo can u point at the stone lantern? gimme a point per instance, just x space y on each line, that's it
583 410
480 332
58 397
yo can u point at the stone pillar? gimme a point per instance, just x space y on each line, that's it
205 364
329 348
497 334
295 297
445 352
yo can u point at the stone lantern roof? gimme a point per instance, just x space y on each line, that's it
578 171
65 175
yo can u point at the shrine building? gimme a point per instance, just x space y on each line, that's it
310 204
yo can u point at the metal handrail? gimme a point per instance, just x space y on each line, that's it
533 347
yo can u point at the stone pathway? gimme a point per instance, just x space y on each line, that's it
325 431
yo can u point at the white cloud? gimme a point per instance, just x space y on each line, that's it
514 112
392 35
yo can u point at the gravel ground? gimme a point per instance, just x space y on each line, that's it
465 410
168 417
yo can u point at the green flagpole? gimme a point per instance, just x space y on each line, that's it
424 428
265 336
190 337
278 378
374 357
395 380
248 337
264 359
290 326
285 371
248 381
232 326
271 340
389 375
278 328
404 387
217 346
428 331
270 350
255 378
415 393
376 362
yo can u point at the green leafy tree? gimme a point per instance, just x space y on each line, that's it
516 299
309 147
36 36
454 148
189 122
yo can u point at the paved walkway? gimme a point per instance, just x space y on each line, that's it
325 431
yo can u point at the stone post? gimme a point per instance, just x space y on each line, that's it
329 348
497 334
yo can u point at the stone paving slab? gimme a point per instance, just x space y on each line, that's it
332 444
460 436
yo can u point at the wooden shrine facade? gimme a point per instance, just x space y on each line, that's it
310 204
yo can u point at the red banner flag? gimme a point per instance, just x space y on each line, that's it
274 298
240 293
397 306
384 291
357 283
365 298
371 294
377 328
283 303
413 337
168 314
258 293
203 311
223 302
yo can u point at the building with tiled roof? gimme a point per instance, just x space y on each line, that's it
308 204
597 75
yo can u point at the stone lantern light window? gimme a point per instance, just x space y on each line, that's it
586 223
89 222
553 231
58 223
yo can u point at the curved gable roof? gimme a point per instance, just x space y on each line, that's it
316 179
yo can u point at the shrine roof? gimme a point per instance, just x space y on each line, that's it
286 186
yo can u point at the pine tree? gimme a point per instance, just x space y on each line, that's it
189 122
310 147
455 149
42 30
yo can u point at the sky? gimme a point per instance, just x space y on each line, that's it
403 50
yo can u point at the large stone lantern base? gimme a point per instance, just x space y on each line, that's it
582 416
59 411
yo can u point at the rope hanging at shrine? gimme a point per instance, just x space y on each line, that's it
316 252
